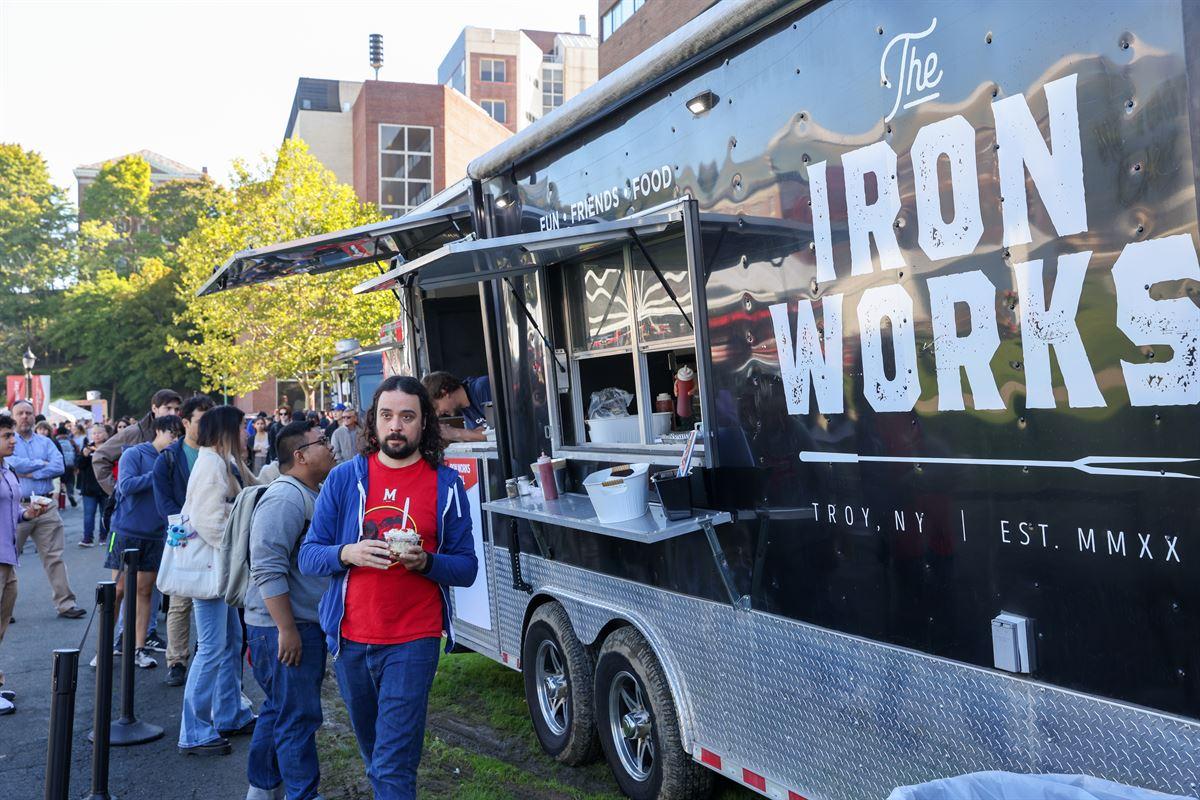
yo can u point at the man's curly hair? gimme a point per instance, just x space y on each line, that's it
430 445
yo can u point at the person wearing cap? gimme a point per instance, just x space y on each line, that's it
466 398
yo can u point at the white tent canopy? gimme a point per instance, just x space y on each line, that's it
66 411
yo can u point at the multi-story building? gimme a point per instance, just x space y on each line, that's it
517 76
627 27
162 169
396 143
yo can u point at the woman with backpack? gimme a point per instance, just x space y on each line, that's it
214 707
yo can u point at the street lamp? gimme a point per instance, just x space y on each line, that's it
27 361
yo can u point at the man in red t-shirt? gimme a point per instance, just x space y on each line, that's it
392 526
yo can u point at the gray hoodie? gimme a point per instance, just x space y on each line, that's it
278 527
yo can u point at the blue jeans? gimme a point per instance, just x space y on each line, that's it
212 698
90 506
284 746
386 690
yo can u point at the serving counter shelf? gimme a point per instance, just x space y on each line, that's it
575 511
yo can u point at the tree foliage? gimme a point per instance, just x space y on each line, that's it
116 328
286 328
121 191
35 220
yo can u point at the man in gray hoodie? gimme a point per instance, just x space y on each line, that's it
283 629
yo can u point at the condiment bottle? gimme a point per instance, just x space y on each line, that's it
545 471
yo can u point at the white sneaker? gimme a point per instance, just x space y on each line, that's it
6 707
143 660
92 663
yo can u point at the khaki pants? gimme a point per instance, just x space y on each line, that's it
49 539
179 630
8 600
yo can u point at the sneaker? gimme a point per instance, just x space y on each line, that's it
87 544
6 707
176 675
245 730
143 660
156 644
220 747
74 612
9 695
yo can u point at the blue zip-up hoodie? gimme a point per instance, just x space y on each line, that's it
136 514
337 521
171 479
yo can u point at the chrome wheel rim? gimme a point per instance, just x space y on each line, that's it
553 687
630 726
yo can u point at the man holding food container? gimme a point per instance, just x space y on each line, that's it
37 460
392 527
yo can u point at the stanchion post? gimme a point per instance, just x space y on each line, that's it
128 730
106 600
62 724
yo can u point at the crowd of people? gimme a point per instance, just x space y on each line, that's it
354 534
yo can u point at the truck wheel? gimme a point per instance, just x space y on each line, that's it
638 726
558 687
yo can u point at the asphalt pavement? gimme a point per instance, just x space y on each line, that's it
155 770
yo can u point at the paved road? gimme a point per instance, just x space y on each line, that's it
154 770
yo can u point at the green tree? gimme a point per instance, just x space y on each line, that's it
116 328
35 251
121 191
176 207
288 327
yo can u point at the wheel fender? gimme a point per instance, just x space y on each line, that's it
589 617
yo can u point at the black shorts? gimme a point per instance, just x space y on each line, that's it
150 552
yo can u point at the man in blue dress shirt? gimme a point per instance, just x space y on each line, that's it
38 461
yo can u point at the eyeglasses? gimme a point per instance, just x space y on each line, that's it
323 440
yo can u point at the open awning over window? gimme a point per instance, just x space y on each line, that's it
471 261
410 237
467 262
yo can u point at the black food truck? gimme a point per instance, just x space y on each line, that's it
927 275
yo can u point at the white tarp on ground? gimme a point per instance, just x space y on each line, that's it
66 411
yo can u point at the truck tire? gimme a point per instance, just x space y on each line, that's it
558 687
638 725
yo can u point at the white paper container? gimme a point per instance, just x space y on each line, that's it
660 423
614 429
629 500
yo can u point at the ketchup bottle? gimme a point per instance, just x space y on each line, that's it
545 471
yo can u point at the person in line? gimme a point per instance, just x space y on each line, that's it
258 444
37 462
137 525
383 618
70 451
283 417
171 473
331 417
453 397
164 402
345 438
287 647
89 487
214 708
12 515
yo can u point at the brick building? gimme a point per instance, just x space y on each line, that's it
627 27
397 144
517 76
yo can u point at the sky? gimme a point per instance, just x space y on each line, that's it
207 82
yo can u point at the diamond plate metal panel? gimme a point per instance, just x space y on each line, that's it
833 716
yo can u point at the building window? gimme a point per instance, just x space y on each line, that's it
405 167
496 109
552 88
492 70
617 16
